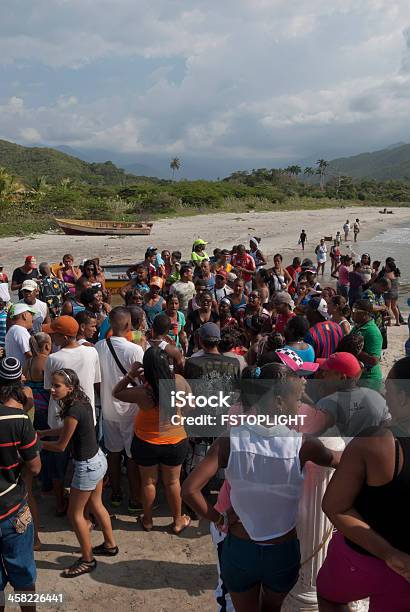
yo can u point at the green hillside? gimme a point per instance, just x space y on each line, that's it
392 163
29 163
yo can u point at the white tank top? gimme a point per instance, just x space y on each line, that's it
265 478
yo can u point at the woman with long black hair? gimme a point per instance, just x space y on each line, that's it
90 466
158 445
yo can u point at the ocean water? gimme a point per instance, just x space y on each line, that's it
393 242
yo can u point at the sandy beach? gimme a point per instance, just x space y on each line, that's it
279 232
159 571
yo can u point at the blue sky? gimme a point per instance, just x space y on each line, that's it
239 79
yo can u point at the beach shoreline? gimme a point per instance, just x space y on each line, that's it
279 232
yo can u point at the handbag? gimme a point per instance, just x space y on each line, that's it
118 362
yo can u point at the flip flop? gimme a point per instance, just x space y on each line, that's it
187 524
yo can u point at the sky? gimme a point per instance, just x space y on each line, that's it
245 80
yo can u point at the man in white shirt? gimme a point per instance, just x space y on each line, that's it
80 358
30 291
17 343
221 288
346 229
119 417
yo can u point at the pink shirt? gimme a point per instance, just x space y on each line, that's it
343 275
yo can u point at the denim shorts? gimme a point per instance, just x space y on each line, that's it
88 473
17 565
245 564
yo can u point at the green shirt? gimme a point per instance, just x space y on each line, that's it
373 340
197 258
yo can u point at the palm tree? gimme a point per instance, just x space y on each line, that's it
10 187
175 165
322 166
66 183
309 171
40 185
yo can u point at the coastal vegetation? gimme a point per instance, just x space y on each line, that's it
65 186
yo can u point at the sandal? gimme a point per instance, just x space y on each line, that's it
103 550
187 523
79 568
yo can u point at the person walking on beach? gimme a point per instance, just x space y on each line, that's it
303 239
334 257
26 272
346 229
356 229
321 254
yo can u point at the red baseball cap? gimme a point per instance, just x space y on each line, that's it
30 259
221 272
345 363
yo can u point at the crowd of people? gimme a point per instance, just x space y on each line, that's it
88 387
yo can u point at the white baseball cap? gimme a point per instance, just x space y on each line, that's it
29 285
18 309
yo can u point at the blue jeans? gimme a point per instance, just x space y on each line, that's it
16 551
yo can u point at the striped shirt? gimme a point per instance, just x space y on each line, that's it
324 337
3 320
17 439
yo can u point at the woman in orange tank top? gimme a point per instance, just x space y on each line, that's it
157 443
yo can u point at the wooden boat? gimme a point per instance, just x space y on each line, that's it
116 276
102 228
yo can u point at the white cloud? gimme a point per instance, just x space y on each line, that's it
262 77
30 135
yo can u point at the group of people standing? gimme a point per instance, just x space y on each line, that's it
86 381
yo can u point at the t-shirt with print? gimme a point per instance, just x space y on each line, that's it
184 292
355 410
213 375
376 300
85 363
83 442
17 440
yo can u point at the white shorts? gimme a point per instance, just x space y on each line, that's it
118 435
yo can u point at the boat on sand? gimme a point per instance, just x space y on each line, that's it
102 228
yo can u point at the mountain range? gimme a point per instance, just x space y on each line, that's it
92 165
393 162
